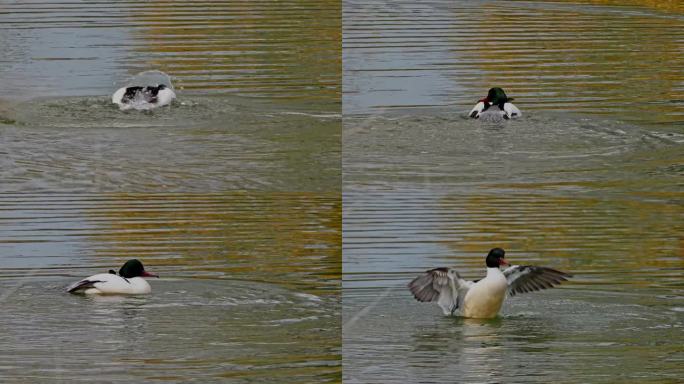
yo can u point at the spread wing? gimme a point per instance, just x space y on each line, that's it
438 284
429 285
528 278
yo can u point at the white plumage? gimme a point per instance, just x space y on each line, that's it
495 106
510 111
110 284
143 98
129 281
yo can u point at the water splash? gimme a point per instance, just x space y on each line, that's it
148 78
140 101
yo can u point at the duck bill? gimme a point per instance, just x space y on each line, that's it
147 274
503 262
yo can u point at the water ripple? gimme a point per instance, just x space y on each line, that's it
570 57
241 273
267 49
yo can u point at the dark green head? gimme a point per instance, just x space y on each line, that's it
495 258
134 268
497 96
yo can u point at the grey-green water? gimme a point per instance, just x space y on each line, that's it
276 50
249 287
206 143
232 194
589 181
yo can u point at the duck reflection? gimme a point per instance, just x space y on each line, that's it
477 350
460 348
123 319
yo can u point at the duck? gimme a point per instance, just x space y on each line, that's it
496 97
129 281
143 97
482 299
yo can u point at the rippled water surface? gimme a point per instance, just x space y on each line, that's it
268 49
588 181
249 287
257 83
588 57
205 144
232 194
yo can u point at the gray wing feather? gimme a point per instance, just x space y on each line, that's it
429 285
528 278
82 285
436 285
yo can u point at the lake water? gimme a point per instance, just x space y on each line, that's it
588 181
232 194
249 287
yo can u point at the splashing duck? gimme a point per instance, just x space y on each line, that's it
143 98
482 298
496 103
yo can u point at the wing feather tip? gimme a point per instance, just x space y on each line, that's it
83 284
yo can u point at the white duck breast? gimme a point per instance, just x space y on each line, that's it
482 298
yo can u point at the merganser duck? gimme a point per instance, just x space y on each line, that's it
129 281
147 97
496 97
482 298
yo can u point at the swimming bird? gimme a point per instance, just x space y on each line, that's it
496 103
129 281
147 97
482 298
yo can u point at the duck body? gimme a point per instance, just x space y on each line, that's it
129 281
485 297
495 106
143 98
482 298
110 284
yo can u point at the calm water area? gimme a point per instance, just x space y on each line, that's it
588 181
231 195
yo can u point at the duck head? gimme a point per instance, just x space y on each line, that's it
495 258
134 268
496 96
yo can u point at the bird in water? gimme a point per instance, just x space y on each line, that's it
147 97
495 106
129 281
482 298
